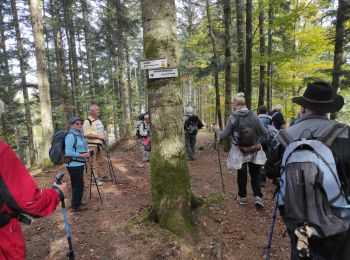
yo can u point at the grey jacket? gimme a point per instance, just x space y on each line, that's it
232 122
314 126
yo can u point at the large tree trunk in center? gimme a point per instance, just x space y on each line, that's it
43 81
169 170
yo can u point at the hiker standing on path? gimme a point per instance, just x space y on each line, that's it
313 124
20 194
277 117
191 126
77 149
94 133
145 134
245 127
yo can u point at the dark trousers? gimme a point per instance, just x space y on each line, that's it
254 171
77 181
190 143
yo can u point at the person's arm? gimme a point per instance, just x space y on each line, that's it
227 130
18 189
200 124
69 148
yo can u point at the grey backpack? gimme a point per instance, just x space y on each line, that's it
310 189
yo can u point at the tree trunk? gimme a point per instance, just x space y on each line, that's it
68 17
59 56
43 81
262 53
170 177
343 8
269 54
87 28
215 61
240 45
22 66
128 74
228 67
249 53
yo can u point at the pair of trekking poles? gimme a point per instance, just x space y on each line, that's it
93 178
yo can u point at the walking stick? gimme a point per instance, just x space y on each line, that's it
70 253
268 247
222 179
110 165
93 177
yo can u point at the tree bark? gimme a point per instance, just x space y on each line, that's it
262 53
59 57
43 81
68 17
240 45
88 46
170 177
249 53
22 66
228 67
269 54
343 8
215 61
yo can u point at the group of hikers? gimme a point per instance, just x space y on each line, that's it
308 161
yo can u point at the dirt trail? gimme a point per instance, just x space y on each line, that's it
225 230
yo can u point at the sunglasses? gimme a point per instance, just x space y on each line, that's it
78 123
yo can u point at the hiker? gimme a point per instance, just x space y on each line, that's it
191 126
76 148
266 120
20 194
245 127
145 134
95 135
319 226
277 117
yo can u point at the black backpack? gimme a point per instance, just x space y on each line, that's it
57 149
191 125
246 132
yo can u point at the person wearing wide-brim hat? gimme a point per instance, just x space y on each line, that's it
317 101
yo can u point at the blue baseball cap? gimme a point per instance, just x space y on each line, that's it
73 119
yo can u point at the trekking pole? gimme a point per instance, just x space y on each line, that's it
93 177
110 165
70 253
268 247
222 179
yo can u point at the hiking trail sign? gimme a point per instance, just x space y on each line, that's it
163 73
153 64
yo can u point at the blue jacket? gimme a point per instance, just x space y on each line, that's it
80 147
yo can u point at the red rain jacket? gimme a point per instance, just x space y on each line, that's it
19 193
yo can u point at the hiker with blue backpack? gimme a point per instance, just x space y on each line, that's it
266 143
76 149
245 128
191 126
312 163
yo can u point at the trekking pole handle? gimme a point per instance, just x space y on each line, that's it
58 178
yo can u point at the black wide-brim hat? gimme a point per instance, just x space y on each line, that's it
320 97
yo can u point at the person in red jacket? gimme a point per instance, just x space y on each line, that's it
19 195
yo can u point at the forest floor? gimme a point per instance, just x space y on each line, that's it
224 229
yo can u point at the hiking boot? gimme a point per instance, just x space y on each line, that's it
106 178
258 202
78 209
242 200
98 182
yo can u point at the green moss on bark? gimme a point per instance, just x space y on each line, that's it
171 196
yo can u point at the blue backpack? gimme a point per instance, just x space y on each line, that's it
310 189
271 140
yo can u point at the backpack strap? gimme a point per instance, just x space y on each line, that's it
332 133
284 138
90 121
